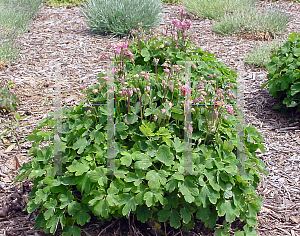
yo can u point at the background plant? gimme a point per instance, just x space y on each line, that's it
119 17
260 56
149 180
63 3
252 20
284 72
15 17
8 101
217 8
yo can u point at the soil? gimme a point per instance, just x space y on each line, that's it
59 40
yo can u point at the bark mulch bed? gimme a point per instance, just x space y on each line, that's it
61 35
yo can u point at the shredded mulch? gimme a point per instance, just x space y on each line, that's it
61 35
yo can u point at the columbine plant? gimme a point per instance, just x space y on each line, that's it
150 179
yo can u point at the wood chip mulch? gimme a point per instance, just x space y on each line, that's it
60 35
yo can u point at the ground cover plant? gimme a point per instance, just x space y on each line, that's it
63 3
252 20
119 17
284 73
260 55
15 17
150 180
216 9
239 16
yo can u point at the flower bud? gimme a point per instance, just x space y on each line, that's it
163 111
155 117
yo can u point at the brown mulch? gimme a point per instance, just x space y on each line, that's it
60 35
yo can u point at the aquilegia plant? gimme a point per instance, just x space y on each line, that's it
149 178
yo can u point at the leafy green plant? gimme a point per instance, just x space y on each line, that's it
260 56
8 101
15 16
63 3
119 17
147 175
217 8
284 72
252 20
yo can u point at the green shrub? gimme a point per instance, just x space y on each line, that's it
150 179
260 55
252 20
119 17
59 3
217 8
284 72
8 101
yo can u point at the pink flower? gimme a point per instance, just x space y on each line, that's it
117 48
166 70
147 77
170 104
133 31
196 100
166 42
171 86
218 91
225 117
155 117
212 76
231 85
124 92
163 111
175 23
127 54
147 88
195 12
130 92
194 66
103 57
229 109
132 60
200 86
105 78
124 45
181 9
216 113
82 87
191 128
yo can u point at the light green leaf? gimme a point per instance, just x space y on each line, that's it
120 127
156 178
148 197
143 161
52 223
186 192
221 232
164 155
78 167
131 118
208 192
178 145
226 207
102 208
126 159
73 207
129 206
80 144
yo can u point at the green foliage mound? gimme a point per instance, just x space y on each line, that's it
8 100
152 173
284 72
119 17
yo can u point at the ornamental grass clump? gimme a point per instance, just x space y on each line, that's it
266 21
119 17
156 138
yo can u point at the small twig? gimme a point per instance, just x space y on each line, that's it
287 192
102 231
